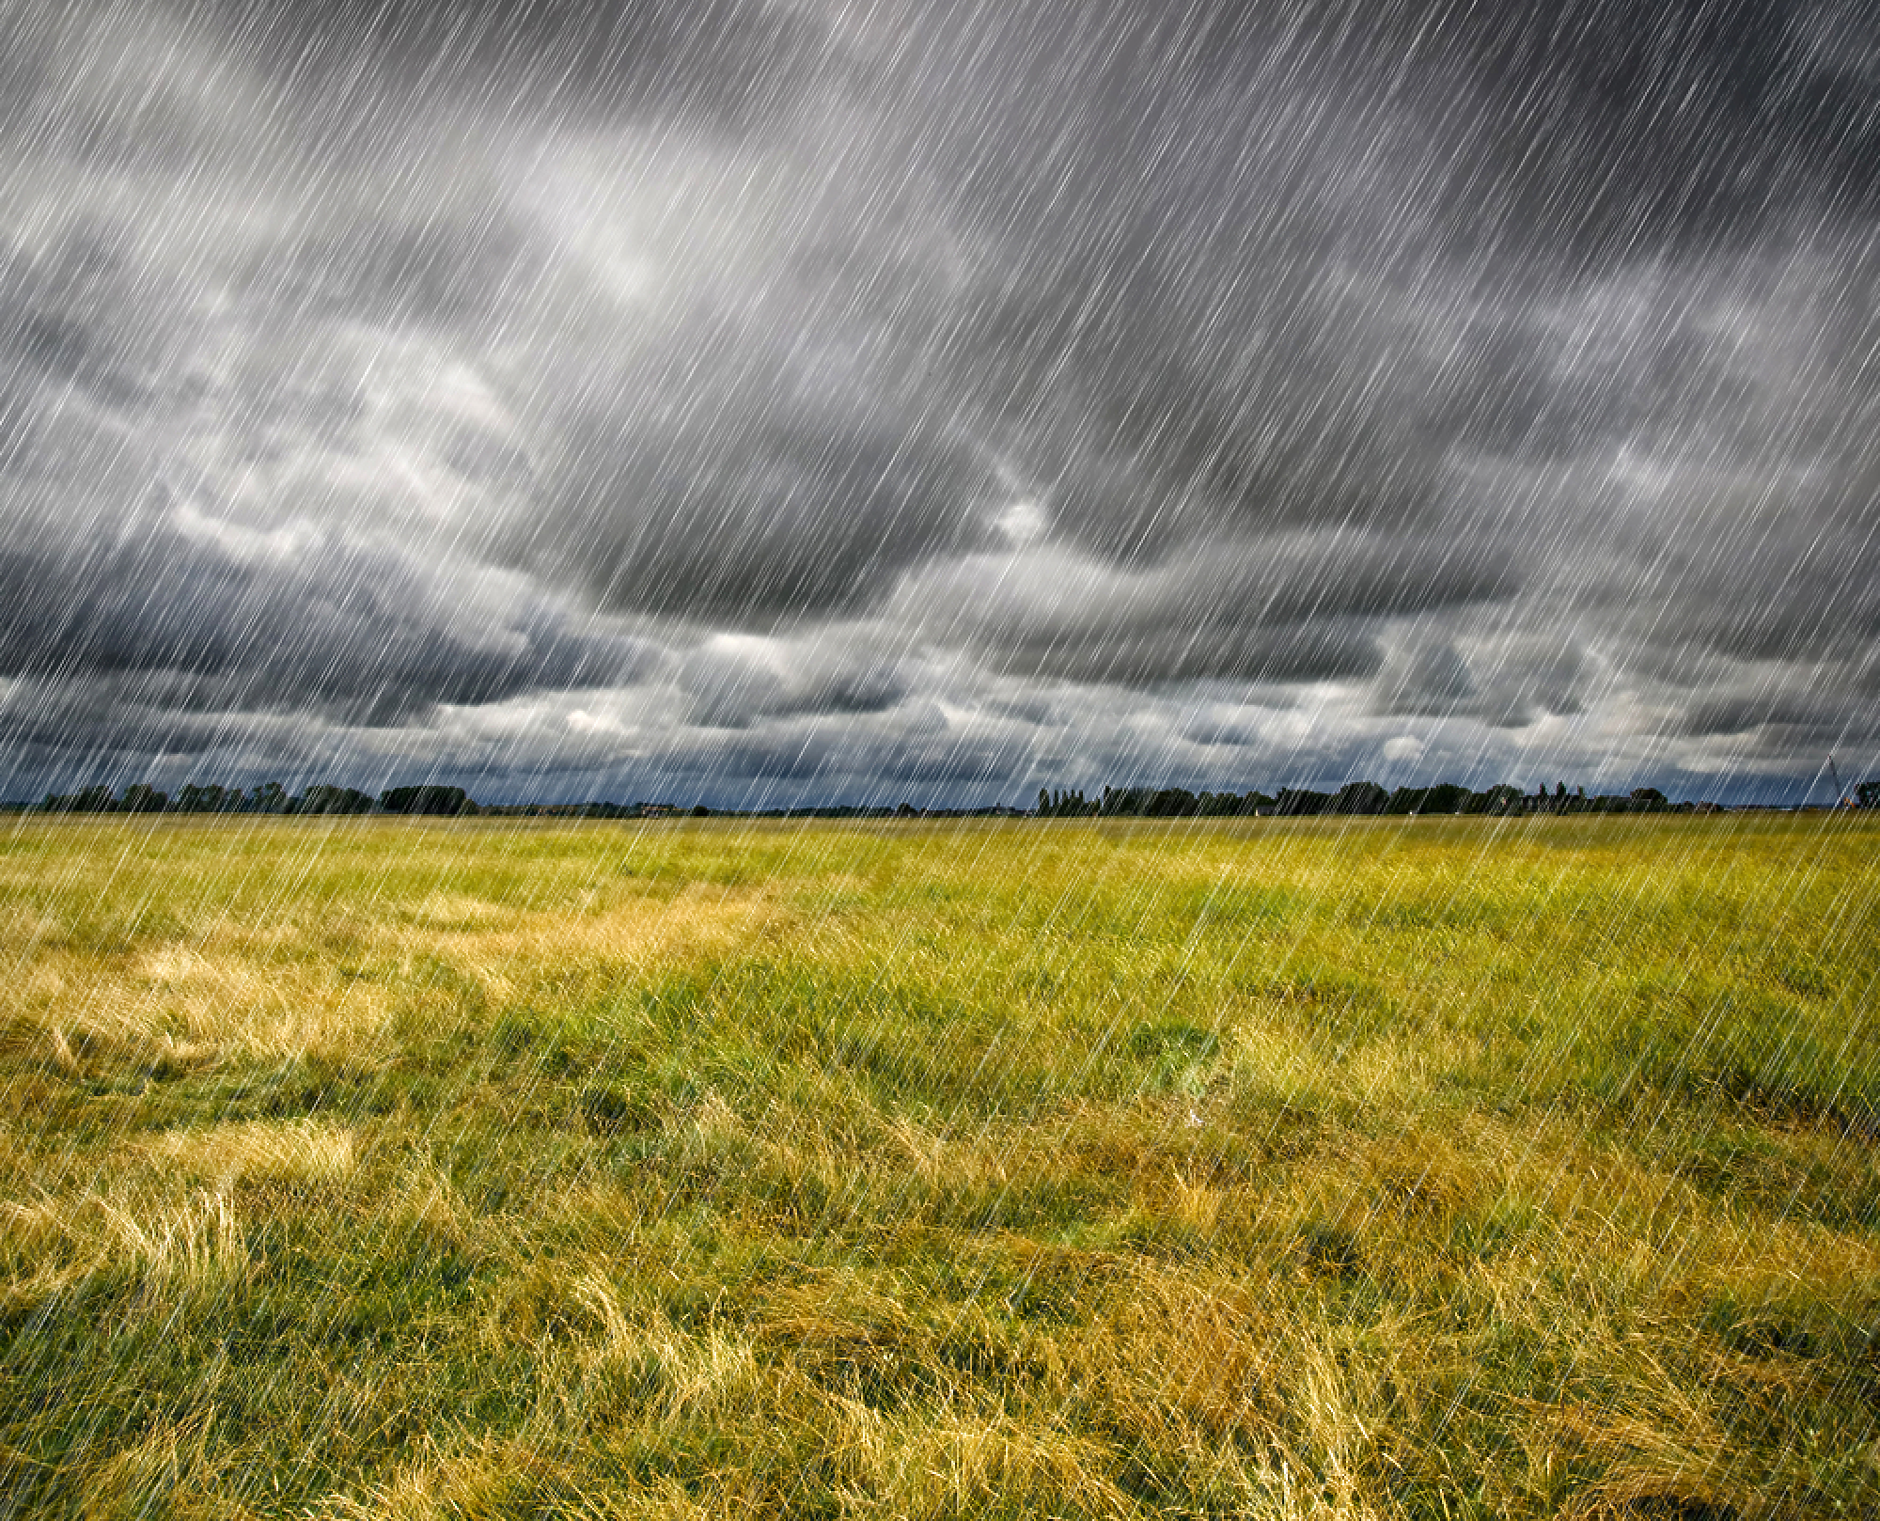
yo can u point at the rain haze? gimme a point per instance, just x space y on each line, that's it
774 402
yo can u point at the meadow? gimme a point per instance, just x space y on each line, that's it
388 1168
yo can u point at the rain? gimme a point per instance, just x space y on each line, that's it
958 407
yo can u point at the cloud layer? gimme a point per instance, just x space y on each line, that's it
821 399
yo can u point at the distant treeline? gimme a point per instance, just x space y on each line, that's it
436 801
1358 798
1053 803
271 797
268 797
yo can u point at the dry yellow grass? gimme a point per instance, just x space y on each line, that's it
288 1151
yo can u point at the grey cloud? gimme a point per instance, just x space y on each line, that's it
1411 346
1589 130
955 761
115 89
1784 718
1819 598
1515 682
1112 347
1740 715
50 723
1212 732
444 269
1525 682
341 631
732 689
729 64
83 312
1783 571
1104 342
1316 652
1431 678
1301 607
1036 709
485 455
920 748
747 500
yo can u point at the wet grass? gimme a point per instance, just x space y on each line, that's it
375 1168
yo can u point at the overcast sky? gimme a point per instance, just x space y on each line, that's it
749 400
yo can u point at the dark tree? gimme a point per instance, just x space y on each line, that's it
1444 797
93 799
329 799
1360 797
440 801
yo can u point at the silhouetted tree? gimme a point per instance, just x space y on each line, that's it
1359 797
1444 797
445 801
328 799
92 799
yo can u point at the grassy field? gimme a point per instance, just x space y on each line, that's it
359 1168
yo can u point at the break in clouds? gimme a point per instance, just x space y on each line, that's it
857 400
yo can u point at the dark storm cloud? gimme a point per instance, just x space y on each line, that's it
1181 318
1741 715
1595 129
1517 684
1314 652
1589 123
132 608
1822 601
730 64
142 714
1508 366
1213 732
751 501
1432 679
1300 607
1782 716
337 630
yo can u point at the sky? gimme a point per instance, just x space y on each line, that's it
773 401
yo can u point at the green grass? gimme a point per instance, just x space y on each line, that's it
482 1169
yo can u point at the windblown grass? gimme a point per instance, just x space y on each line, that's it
357 1168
